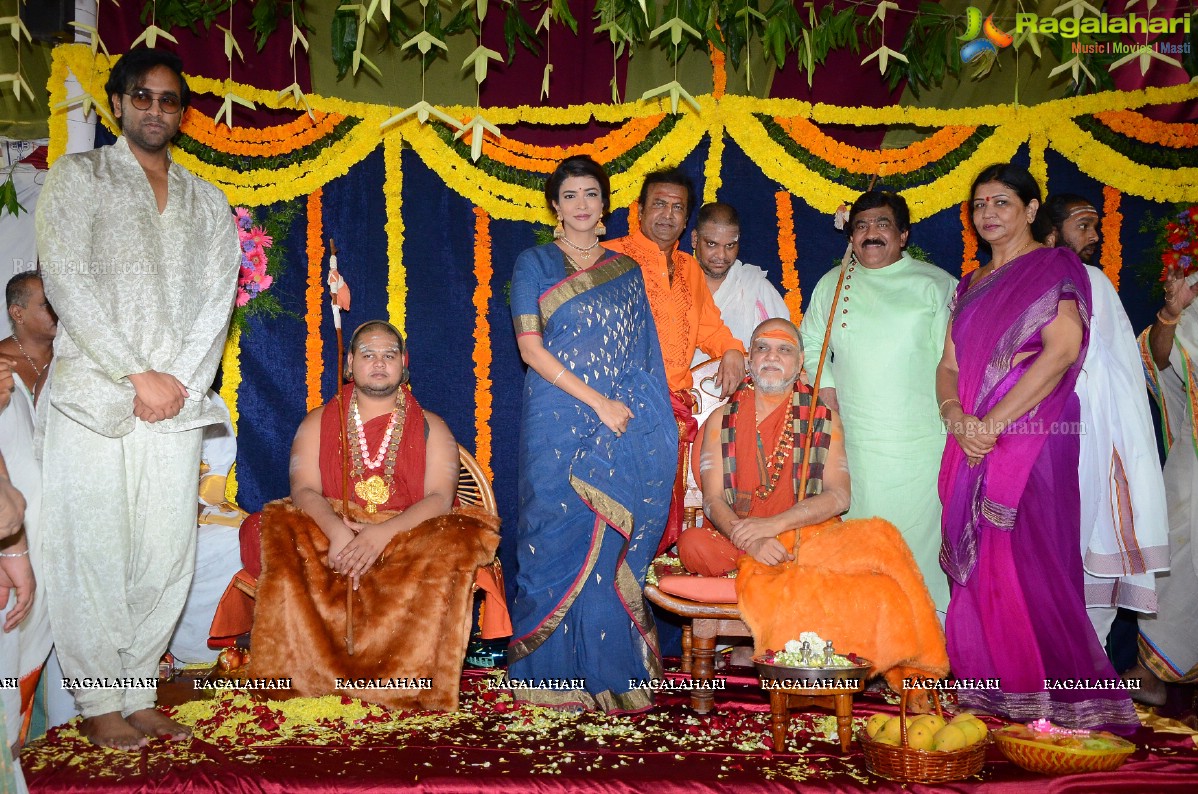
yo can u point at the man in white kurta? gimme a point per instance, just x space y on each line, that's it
742 292
1169 640
140 261
1124 536
880 370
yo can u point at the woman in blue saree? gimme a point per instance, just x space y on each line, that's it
597 454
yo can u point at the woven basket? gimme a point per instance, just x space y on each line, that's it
1052 760
903 763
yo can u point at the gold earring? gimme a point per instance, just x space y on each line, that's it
559 231
600 229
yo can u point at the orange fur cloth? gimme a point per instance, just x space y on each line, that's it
854 583
412 611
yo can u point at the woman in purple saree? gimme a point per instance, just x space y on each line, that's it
1008 479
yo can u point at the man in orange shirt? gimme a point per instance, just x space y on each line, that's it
683 310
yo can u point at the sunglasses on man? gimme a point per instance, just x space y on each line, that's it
143 99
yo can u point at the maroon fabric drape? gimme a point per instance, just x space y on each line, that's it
203 54
843 80
1159 74
491 748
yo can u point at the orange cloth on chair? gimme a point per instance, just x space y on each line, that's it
854 583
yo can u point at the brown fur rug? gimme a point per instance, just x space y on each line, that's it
854 583
412 612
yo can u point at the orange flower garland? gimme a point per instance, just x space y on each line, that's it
543 159
1145 130
719 71
259 142
314 300
969 260
483 271
788 254
870 161
1112 227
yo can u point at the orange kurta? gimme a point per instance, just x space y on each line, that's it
683 309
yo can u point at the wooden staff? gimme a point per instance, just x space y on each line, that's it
804 470
343 447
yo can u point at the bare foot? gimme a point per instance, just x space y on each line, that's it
155 724
1152 689
112 730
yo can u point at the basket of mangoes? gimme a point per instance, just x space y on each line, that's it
929 748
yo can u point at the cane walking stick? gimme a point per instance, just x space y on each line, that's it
336 284
808 436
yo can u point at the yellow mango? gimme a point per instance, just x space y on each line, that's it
875 724
921 736
890 732
950 737
975 730
931 720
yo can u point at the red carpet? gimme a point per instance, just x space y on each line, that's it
326 745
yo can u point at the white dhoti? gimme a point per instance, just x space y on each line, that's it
23 651
120 518
218 559
1123 519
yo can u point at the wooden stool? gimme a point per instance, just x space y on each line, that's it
839 700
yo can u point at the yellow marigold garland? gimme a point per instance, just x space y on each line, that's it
1038 166
736 114
1112 229
314 300
230 383
483 270
788 254
1107 166
712 181
1145 130
871 161
969 259
397 274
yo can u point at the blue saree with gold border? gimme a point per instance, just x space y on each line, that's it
593 505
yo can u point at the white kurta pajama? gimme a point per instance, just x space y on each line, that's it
134 290
887 340
746 299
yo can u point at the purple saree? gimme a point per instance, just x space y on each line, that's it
1011 524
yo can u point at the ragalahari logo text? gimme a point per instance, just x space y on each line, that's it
983 39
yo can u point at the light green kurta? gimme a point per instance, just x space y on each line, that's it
887 338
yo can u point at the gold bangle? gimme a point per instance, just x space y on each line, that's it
946 402
557 377
1163 321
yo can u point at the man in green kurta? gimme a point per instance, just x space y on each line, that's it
887 338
